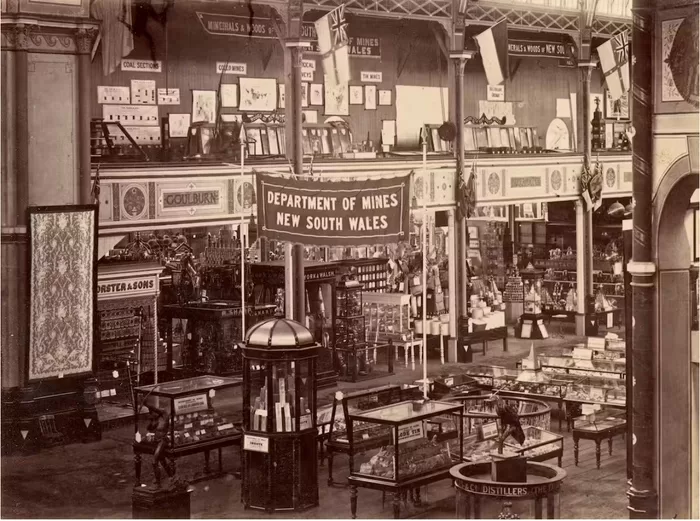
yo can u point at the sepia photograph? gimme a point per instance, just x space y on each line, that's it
350 259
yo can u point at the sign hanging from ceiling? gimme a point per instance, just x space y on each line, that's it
260 27
333 213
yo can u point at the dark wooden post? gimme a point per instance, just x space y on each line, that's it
643 499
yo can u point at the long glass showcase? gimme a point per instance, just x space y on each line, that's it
187 416
413 445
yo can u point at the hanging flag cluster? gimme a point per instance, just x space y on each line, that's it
332 32
466 194
493 46
592 186
614 60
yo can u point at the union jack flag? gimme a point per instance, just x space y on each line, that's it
614 60
339 27
332 32
620 45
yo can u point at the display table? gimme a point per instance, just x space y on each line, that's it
479 497
480 337
599 431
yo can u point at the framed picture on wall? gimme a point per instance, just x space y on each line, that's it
258 94
337 100
370 97
316 94
280 94
384 97
228 95
204 106
617 109
356 97
304 94
677 87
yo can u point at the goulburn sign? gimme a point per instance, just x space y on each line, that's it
333 213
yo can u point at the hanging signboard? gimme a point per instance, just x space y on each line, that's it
333 213
260 27
540 49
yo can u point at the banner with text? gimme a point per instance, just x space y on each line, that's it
333 213
240 25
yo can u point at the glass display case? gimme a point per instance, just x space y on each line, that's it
601 423
485 374
187 416
387 315
454 384
279 416
539 445
479 410
349 327
603 368
416 451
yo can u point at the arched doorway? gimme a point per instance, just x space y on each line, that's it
677 391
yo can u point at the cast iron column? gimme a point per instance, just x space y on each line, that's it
84 38
643 500
459 63
294 54
584 270
15 197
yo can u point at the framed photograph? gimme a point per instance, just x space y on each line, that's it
204 106
228 95
356 97
516 138
316 94
254 141
310 116
370 97
178 125
280 89
385 97
258 94
304 94
482 138
617 109
63 289
337 100
469 142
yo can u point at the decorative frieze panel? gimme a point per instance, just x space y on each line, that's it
33 37
209 196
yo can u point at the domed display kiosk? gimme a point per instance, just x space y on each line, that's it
279 416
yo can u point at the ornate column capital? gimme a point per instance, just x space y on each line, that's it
460 59
18 36
84 39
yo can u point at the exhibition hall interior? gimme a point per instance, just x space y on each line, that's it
342 259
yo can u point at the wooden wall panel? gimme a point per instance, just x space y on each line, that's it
409 56
674 413
53 172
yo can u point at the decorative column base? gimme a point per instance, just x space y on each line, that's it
643 504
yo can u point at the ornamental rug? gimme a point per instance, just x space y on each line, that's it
62 290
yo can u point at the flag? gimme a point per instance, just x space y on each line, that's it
614 60
592 185
466 195
332 32
96 186
493 46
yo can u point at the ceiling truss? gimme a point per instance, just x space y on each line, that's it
522 17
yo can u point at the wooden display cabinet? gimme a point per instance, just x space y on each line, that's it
213 328
200 414
320 283
413 450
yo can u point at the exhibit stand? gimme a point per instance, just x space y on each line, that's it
279 417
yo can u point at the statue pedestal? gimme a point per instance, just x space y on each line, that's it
508 467
160 503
